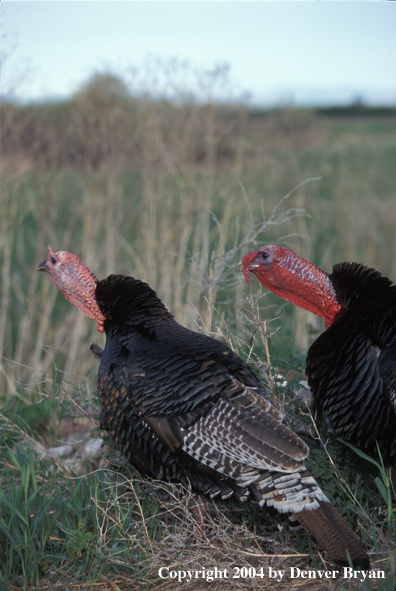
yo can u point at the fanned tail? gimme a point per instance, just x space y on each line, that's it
333 535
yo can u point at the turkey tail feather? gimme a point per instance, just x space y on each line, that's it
333 535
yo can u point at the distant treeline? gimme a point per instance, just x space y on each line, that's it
103 124
357 110
347 111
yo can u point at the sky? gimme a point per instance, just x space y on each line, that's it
301 52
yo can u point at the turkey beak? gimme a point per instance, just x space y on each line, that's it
42 266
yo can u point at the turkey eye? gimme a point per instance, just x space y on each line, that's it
53 260
264 255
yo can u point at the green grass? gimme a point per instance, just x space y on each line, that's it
108 524
76 525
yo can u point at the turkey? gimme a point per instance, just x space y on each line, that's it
183 407
351 367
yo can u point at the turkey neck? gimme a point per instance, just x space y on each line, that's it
304 285
79 286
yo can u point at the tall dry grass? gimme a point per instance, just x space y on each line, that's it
173 185
170 220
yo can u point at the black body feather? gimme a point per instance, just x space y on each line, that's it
351 367
183 407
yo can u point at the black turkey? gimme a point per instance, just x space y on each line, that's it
351 367
185 408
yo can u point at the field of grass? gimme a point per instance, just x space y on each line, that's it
174 196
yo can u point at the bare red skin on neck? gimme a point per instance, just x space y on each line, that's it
75 281
293 279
